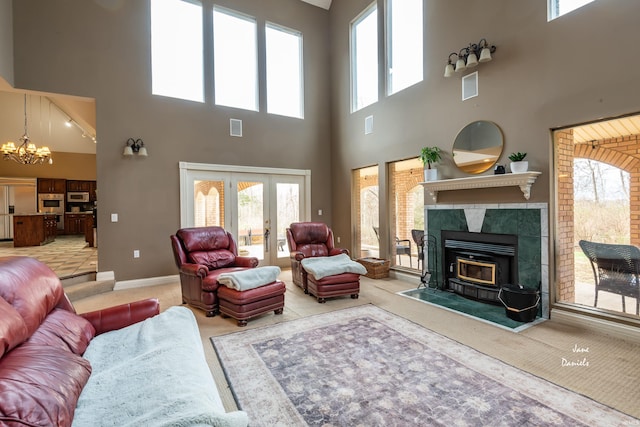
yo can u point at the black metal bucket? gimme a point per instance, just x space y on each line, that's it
520 304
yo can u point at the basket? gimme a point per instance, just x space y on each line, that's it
377 268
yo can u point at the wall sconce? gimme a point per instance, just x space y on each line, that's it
135 146
469 57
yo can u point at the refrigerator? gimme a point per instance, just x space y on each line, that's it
19 196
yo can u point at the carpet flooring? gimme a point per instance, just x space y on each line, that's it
367 366
612 377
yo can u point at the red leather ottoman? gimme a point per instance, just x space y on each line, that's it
333 286
243 305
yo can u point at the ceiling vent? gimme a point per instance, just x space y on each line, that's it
368 125
470 86
235 127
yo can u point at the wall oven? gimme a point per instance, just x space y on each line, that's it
52 203
78 196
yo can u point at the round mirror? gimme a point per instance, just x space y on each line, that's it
477 147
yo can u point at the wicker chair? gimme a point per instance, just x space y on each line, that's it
616 269
403 246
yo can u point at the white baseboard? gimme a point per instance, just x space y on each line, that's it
616 329
150 281
105 275
412 278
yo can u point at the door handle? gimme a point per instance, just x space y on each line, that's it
266 239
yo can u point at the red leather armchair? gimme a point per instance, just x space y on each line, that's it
315 239
201 255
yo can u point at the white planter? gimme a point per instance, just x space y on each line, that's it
519 167
430 174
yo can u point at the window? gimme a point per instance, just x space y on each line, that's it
406 204
284 71
235 59
364 59
176 49
404 44
366 205
558 8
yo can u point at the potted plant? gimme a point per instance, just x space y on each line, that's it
518 163
430 155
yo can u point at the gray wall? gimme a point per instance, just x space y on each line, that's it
6 42
544 75
101 49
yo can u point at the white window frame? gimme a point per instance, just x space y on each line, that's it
404 44
226 86
553 7
277 65
356 104
177 69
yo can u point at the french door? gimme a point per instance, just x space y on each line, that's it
255 204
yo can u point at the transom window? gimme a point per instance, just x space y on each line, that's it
284 71
235 56
176 49
364 59
404 44
404 50
558 8
178 57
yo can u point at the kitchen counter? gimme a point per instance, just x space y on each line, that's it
80 223
34 229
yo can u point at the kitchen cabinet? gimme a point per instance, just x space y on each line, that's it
93 193
89 235
74 185
52 185
74 223
34 230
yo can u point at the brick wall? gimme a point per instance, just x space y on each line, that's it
565 246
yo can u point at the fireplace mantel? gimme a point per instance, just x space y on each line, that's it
523 180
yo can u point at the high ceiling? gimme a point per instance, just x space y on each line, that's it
325 4
47 114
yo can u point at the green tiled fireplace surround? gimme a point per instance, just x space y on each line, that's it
528 221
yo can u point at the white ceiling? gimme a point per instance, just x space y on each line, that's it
325 4
46 118
607 129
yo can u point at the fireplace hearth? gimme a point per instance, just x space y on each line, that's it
477 265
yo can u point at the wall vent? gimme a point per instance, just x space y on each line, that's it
368 125
235 127
470 86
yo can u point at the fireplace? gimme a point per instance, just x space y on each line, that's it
476 265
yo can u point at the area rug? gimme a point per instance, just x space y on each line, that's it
364 366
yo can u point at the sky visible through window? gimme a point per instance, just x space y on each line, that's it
284 72
235 60
176 50
561 7
405 62
365 60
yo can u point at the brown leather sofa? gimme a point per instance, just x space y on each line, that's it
315 239
201 255
42 340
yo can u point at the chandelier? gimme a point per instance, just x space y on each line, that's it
26 153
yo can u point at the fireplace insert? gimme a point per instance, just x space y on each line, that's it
480 272
476 265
